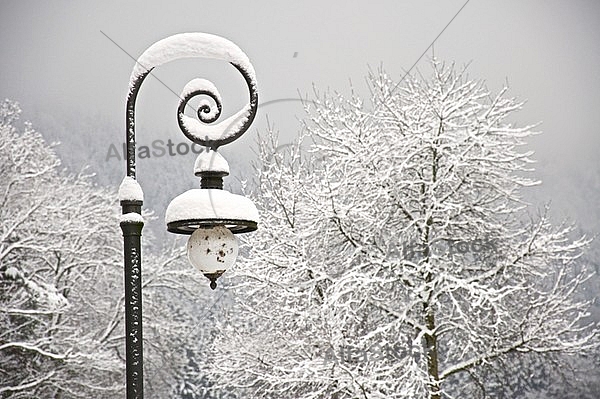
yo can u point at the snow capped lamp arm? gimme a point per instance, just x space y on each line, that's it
194 45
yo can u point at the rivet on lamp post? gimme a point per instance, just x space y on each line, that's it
210 214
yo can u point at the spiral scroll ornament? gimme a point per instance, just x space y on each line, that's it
209 110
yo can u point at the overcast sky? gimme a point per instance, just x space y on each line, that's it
58 62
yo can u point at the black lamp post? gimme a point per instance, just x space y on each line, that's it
210 215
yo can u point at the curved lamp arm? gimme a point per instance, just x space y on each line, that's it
194 45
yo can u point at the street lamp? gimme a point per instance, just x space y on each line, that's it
210 214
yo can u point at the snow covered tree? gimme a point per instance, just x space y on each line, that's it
61 282
396 257
58 270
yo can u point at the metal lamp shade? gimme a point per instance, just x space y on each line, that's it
202 208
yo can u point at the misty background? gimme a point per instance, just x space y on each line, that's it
68 65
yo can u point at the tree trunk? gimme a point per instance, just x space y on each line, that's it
431 348
431 351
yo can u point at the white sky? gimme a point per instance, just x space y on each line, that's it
60 67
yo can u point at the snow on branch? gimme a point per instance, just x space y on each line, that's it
35 348
28 385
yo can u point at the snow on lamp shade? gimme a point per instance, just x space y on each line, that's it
199 208
212 250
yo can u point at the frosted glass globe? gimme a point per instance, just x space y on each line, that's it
212 251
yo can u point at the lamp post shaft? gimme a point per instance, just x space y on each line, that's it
179 46
134 351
